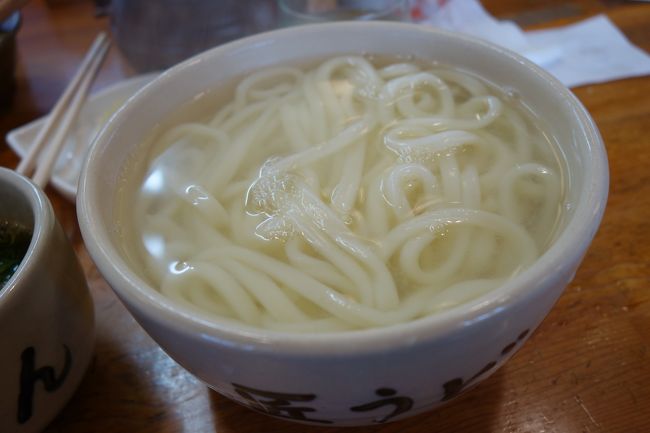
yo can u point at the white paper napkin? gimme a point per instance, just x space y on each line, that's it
591 51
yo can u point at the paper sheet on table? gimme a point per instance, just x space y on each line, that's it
591 51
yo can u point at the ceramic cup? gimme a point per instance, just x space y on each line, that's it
46 315
357 377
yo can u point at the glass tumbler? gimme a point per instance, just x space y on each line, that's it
295 12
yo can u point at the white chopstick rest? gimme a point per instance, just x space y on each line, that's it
63 114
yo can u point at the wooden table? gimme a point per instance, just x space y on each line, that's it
586 369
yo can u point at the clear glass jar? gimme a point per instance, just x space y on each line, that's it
156 34
294 12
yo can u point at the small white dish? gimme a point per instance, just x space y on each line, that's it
95 113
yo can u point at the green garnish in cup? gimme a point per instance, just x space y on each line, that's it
14 242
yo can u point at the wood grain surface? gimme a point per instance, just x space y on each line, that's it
586 369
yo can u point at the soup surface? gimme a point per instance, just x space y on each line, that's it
14 242
352 194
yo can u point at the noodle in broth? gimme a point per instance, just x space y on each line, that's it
347 196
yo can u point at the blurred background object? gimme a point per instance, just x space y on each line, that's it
155 34
8 7
8 29
293 12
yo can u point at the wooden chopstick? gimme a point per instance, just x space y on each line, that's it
63 114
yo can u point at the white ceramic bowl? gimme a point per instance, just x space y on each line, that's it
358 377
46 314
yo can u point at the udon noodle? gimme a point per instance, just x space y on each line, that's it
347 196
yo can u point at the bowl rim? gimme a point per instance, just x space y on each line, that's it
565 252
42 216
